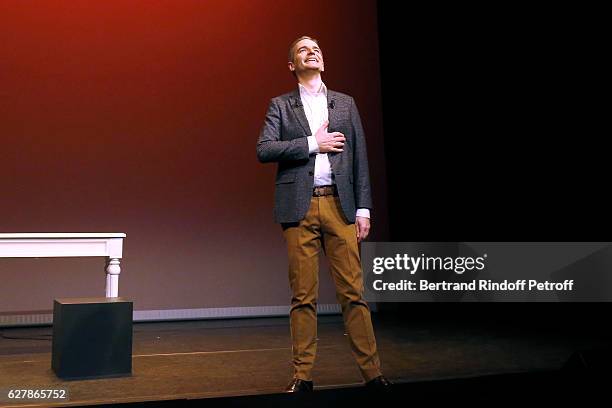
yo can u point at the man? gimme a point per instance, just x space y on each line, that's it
322 199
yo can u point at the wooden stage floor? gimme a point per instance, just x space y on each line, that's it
225 358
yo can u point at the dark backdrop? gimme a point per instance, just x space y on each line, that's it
492 134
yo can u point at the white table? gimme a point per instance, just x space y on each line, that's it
42 245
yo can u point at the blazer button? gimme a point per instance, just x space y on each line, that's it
311 173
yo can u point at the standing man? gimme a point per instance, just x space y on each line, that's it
322 200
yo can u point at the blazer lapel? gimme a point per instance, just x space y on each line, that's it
298 109
332 116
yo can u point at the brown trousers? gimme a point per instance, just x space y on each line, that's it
325 225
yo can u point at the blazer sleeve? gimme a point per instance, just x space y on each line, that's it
270 147
361 174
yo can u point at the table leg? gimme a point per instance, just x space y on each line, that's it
112 277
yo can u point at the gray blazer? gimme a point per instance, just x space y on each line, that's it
283 140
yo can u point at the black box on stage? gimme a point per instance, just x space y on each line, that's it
92 337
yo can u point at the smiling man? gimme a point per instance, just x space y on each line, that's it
322 200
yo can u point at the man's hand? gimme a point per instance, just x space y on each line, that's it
329 142
362 225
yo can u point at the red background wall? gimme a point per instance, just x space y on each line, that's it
141 117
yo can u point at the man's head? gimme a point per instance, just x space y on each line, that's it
305 56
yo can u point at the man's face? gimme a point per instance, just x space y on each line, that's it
307 56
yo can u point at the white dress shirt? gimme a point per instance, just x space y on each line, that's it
315 108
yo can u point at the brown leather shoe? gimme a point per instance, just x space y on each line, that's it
379 383
299 385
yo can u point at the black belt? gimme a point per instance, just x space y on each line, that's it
324 191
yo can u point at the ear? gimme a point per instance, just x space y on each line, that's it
323 67
291 66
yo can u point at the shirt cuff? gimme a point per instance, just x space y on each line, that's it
363 212
313 146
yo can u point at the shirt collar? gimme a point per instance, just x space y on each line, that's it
304 91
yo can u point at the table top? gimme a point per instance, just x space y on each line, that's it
61 235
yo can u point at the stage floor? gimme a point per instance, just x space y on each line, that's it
214 358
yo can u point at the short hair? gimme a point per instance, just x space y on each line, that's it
292 46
